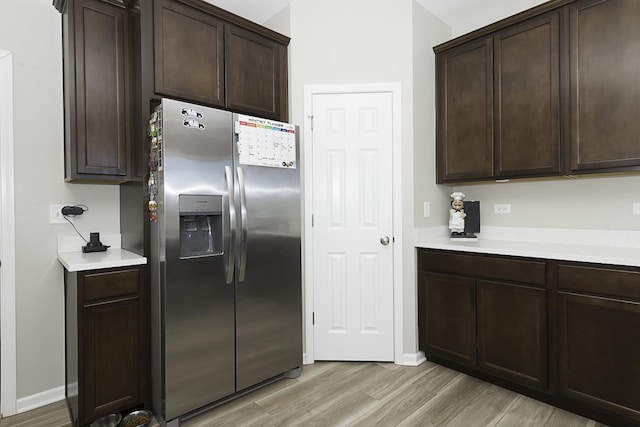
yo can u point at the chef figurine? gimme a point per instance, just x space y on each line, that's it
456 214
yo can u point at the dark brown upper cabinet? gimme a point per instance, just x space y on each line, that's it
254 77
527 98
189 53
499 104
209 56
465 113
96 88
121 55
566 91
604 40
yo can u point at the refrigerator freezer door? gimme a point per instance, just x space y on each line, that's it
268 293
199 338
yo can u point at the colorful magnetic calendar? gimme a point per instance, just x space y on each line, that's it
264 142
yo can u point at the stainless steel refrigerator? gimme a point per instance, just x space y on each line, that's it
225 255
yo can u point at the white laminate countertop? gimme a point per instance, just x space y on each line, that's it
73 259
593 246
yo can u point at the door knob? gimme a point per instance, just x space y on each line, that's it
385 240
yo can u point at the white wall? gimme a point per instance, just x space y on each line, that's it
31 30
281 21
599 203
428 31
488 12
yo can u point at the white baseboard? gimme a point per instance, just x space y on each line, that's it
37 400
412 359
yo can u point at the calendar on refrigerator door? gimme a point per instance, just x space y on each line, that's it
263 142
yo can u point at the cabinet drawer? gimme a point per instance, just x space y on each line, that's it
613 282
518 270
111 284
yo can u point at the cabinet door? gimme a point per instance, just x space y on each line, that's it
527 98
112 347
448 317
189 53
605 84
599 352
512 332
111 356
254 73
465 129
97 113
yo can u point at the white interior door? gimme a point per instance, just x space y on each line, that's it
353 226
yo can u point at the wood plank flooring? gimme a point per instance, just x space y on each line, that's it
359 394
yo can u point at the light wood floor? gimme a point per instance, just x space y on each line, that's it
364 394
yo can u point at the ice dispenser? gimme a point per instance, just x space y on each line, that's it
200 225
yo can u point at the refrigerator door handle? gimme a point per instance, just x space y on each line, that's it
243 225
231 254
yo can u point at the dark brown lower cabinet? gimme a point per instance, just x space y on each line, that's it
449 326
600 352
599 337
567 333
495 326
106 348
512 332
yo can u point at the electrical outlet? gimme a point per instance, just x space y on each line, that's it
635 208
55 215
502 209
427 209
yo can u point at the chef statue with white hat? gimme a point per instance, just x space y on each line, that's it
456 214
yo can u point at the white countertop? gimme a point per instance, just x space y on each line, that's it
72 258
593 246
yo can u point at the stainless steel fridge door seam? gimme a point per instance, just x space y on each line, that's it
231 254
243 225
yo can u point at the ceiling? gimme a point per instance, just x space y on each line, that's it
449 11
258 11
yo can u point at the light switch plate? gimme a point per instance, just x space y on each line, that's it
427 209
635 208
502 209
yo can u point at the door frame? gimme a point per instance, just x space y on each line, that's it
307 176
8 348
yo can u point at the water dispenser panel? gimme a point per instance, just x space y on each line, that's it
200 225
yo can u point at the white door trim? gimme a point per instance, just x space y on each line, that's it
8 243
307 156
